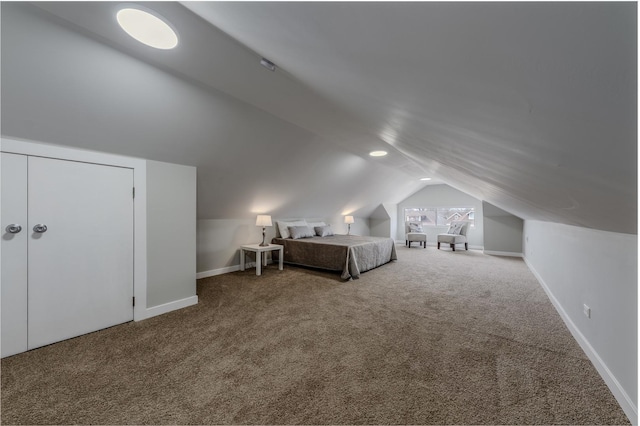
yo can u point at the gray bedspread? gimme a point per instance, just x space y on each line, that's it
349 254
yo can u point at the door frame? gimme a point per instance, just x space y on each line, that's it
139 167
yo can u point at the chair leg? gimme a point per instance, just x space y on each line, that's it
466 246
424 244
406 242
453 247
438 245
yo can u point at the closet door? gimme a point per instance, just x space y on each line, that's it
80 247
14 254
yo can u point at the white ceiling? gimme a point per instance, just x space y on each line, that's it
530 106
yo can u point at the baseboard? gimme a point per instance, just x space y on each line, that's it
168 307
628 405
502 253
227 269
219 271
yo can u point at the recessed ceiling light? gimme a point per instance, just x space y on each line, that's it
425 179
378 153
147 28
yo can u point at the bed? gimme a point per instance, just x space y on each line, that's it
349 254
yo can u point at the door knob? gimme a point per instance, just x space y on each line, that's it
40 228
14 228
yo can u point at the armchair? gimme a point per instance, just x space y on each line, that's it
457 234
414 233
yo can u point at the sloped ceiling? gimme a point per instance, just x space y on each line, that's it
530 106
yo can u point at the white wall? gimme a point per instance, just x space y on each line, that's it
380 222
383 222
219 241
359 227
392 211
380 227
442 196
171 233
502 231
579 266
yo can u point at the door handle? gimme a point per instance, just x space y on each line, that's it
14 228
40 228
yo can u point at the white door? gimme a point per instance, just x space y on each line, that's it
81 267
15 233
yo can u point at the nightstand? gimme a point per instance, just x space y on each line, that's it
261 257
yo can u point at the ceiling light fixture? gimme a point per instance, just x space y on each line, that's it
378 153
147 28
425 179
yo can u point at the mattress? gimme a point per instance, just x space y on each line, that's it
349 254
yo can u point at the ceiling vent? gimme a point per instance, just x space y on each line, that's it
268 64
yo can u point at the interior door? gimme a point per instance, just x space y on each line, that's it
80 247
14 254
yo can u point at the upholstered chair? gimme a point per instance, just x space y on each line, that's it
457 234
414 233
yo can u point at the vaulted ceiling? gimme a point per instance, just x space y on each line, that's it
529 106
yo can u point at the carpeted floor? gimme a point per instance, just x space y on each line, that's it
437 337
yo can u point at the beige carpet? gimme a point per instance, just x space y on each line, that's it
437 337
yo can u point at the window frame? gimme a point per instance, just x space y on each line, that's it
435 212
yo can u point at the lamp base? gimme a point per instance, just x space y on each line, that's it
263 244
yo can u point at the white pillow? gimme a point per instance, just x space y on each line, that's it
323 231
298 232
283 227
312 225
415 227
455 228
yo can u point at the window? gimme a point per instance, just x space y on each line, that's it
425 216
441 216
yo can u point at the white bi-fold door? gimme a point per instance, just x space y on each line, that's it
13 320
78 232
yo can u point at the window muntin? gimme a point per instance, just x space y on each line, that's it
440 216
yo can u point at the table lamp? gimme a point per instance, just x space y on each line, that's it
263 220
348 220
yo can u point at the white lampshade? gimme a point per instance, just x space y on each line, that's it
348 219
263 220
